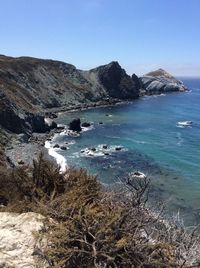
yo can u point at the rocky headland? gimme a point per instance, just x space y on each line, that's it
33 90
158 82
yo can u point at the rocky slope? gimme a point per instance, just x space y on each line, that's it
158 82
30 86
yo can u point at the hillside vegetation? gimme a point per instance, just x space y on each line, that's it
90 226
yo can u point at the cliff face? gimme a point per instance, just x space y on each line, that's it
114 81
29 86
159 81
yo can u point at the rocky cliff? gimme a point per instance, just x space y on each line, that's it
159 81
30 86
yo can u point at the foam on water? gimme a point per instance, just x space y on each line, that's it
60 160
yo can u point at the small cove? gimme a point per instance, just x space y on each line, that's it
151 142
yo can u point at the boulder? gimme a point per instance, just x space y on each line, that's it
63 148
75 125
56 146
86 124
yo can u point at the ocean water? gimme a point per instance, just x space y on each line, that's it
151 142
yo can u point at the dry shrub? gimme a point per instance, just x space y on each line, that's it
88 226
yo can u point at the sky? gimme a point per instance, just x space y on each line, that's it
142 35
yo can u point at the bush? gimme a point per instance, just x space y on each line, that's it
90 226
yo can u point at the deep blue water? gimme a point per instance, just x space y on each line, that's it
152 143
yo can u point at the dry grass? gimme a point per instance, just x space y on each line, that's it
88 226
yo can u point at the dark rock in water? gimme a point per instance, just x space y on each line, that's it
82 151
105 146
100 123
86 124
93 149
56 146
106 153
75 125
21 162
118 148
49 139
63 148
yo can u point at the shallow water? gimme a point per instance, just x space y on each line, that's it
151 142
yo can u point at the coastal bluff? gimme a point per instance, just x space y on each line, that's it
31 87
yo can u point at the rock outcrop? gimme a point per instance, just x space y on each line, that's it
19 246
29 87
158 82
75 125
114 81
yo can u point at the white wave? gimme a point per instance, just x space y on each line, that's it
102 150
84 129
180 139
60 160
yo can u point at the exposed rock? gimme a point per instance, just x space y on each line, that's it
86 124
100 123
158 82
115 81
93 149
17 241
30 86
118 148
63 148
105 146
56 146
75 125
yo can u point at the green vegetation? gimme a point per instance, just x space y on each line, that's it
89 226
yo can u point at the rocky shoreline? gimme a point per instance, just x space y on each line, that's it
22 149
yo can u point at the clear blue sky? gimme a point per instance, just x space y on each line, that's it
141 34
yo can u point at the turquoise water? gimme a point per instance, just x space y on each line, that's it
152 143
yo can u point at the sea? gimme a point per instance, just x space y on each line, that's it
143 135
